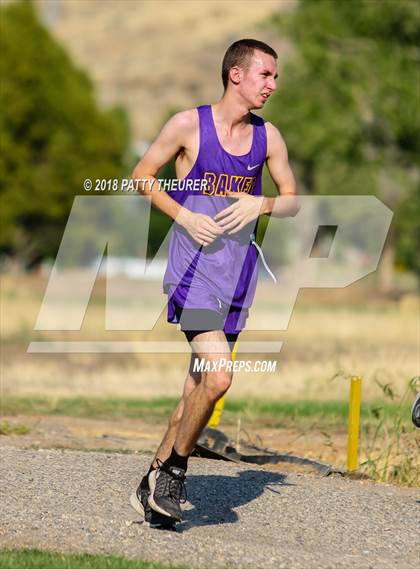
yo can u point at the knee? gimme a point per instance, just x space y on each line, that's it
217 383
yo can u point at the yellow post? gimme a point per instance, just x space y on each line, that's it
218 408
354 420
217 413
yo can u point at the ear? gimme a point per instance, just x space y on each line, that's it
235 74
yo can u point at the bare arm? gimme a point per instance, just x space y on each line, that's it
171 140
286 204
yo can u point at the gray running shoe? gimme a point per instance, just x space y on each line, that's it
167 491
139 502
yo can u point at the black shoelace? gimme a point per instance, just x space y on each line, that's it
172 485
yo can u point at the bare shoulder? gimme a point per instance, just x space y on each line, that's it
183 123
275 141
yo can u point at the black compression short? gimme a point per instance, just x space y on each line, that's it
196 321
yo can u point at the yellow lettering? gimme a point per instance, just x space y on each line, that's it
219 185
248 184
236 183
222 185
210 178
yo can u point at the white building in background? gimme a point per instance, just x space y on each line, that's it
132 268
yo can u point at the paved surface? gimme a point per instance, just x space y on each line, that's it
236 515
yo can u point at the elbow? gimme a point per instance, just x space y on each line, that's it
135 175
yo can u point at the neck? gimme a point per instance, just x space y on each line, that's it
231 110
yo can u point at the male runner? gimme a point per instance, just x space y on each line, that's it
211 274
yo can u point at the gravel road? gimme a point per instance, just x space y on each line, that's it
238 516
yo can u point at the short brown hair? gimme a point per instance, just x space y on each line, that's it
239 54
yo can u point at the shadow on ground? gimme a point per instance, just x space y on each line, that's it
214 498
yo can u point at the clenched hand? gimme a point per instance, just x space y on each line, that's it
202 228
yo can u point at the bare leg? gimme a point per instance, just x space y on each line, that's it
192 380
198 407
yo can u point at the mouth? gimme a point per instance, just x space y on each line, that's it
265 96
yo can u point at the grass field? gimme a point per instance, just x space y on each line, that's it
33 559
276 414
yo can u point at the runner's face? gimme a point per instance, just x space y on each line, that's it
259 80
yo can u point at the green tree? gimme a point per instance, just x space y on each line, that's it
53 135
348 106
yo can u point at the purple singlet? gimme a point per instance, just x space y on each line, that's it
222 276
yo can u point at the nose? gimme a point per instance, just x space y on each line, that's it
272 84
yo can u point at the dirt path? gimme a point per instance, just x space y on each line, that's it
138 435
66 500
